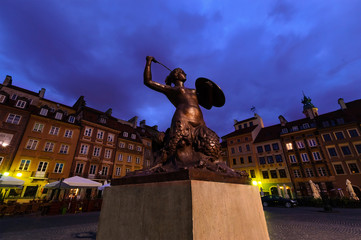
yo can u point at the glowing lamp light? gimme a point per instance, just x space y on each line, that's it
5 144
19 174
6 173
260 183
254 183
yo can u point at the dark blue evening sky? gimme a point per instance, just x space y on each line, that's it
261 53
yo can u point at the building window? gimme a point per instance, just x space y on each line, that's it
120 157
1 160
20 104
129 158
2 98
332 152
273 174
13 118
279 158
309 172
14 96
88 132
92 169
79 168
248 148
54 130
353 168
130 146
64 149
300 144
353 133
325 124
103 120
304 157
108 153
232 150
293 159
252 173
58 167
104 170
42 166
338 169
38 127
305 125
234 161
321 171
240 149
260 149
125 134
96 151
100 134
59 115
267 148
312 142
139 149
282 173
326 137
43 111
49 147
358 148
262 160
275 146
118 170
297 173
127 170
148 163
284 130
137 160
84 149
340 121
121 145
241 160
32 143
346 150
68 133
265 175
110 137
289 146
270 159
339 135
133 136
250 159
24 165
294 128
71 119
316 156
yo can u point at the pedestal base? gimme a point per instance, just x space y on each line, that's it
186 209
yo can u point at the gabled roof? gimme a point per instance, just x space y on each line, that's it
268 133
240 131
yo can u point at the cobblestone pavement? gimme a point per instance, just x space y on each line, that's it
283 223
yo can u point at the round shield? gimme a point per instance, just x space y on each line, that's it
209 94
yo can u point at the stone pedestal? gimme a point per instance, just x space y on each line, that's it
183 209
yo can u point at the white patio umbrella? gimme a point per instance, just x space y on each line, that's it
350 190
7 181
74 182
315 191
279 190
285 190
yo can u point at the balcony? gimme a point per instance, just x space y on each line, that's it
39 175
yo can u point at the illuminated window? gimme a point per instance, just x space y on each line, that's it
289 146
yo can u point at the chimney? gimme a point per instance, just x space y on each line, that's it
155 127
235 121
142 124
109 112
42 92
134 121
283 120
342 103
8 80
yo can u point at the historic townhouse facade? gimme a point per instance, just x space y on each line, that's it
274 175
